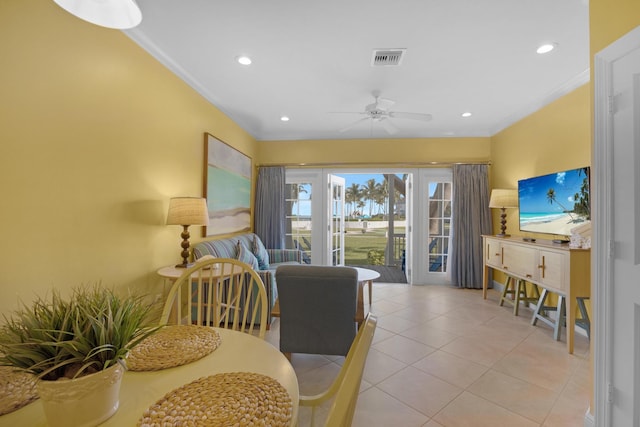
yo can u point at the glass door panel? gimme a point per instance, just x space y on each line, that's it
298 228
438 225
336 226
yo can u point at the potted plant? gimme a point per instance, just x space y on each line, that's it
76 348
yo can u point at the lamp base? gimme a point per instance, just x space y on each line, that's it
503 235
184 265
185 248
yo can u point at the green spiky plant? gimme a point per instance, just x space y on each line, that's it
89 332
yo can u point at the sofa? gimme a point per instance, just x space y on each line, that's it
249 248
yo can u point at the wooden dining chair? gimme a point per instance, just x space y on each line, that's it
345 388
221 292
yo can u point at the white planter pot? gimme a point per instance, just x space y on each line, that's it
82 402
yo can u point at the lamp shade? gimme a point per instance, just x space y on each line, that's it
188 211
118 14
503 198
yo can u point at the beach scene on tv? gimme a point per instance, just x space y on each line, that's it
554 203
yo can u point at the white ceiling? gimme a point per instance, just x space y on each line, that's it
311 59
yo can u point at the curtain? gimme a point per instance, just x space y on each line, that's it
269 213
471 219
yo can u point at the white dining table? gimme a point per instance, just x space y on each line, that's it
238 352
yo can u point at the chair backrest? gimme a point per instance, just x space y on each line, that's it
221 292
345 388
317 308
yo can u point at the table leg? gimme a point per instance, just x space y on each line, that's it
485 281
360 304
370 283
570 316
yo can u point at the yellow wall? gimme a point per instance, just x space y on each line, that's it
555 138
95 137
610 20
375 151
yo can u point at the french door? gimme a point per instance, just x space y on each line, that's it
315 215
433 191
316 218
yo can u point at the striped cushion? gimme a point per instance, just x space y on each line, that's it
246 256
223 248
261 253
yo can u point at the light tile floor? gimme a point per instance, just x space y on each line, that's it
443 356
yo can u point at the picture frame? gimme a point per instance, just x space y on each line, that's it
227 188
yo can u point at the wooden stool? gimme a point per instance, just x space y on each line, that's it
541 313
583 321
517 288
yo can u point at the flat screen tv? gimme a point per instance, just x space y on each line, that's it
554 203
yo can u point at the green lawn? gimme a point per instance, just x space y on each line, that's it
358 244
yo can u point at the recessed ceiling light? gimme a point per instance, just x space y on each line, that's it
546 48
284 118
466 114
244 60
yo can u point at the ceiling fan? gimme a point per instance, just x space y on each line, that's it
379 112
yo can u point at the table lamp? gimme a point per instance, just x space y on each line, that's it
186 211
503 199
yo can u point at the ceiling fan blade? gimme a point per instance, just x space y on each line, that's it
354 124
388 126
413 116
346 112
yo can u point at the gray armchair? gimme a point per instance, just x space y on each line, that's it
317 308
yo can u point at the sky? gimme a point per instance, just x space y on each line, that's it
350 178
360 178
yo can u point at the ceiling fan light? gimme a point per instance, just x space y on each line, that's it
117 14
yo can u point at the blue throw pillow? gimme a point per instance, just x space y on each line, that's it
260 253
246 256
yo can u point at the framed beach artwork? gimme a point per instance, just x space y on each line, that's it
227 188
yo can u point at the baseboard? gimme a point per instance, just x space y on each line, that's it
589 420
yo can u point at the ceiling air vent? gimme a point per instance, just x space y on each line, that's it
387 57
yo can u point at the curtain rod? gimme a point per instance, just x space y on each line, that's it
370 164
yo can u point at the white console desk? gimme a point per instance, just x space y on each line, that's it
553 266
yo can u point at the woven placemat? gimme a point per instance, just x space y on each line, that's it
227 399
173 346
17 389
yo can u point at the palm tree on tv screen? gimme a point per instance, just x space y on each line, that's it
551 197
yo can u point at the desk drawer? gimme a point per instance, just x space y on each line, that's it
520 261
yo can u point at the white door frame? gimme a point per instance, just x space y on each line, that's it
602 252
420 273
335 225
